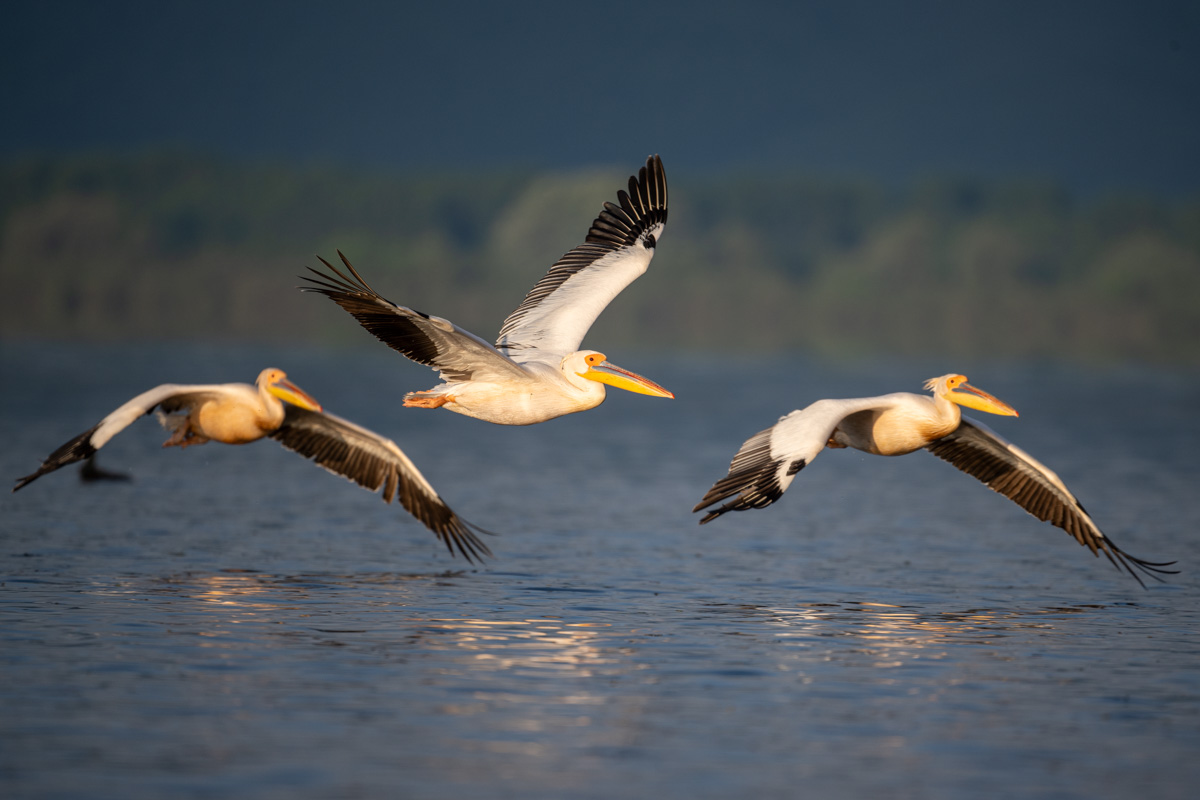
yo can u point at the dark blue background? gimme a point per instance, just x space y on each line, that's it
1100 95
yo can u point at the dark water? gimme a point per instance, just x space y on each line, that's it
237 623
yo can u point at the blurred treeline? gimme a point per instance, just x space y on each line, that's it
106 247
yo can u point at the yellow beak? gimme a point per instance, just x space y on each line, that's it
289 392
613 375
981 401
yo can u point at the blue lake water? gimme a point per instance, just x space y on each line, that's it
235 622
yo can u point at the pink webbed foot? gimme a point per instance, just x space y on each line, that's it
183 437
426 400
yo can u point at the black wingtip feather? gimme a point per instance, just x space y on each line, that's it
1122 560
963 449
641 209
753 477
77 449
372 473
386 321
359 278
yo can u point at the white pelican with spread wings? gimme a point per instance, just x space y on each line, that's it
535 371
238 413
900 423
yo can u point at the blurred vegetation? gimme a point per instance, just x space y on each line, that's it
169 245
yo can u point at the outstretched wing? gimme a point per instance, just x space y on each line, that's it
561 307
171 396
768 461
1005 468
435 342
374 462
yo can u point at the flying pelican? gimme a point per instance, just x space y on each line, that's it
899 423
536 371
237 413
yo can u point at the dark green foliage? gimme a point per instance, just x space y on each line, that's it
176 246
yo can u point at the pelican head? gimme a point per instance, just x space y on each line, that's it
275 381
591 365
947 386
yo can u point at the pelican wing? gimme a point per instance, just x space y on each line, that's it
1005 468
435 342
375 462
768 461
170 396
557 312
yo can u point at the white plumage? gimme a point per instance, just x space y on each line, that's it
237 413
900 423
535 371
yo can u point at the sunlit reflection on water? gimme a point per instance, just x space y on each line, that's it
894 636
891 625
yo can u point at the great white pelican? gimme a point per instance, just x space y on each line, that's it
899 423
535 371
238 413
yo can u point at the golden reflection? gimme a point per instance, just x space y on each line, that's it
530 644
534 654
252 590
882 635
248 591
894 635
